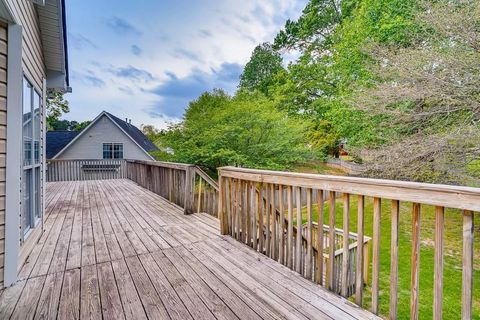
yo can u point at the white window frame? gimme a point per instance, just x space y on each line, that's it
112 144
34 219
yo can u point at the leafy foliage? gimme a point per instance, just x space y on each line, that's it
383 75
152 133
56 106
259 72
430 91
316 24
57 124
245 130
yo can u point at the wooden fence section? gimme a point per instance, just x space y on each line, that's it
247 212
75 170
183 184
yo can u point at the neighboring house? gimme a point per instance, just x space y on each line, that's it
57 140
33 63
106 137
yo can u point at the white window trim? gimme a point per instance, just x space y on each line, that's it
32 166
113 149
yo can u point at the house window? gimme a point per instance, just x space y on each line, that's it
31 205
113 151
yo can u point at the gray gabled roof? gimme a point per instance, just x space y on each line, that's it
57 140
134 133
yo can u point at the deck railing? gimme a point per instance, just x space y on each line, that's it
247 212
75 170
183 184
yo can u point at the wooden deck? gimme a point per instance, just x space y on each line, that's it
114 250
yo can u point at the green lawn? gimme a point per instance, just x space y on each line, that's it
318 167
452 264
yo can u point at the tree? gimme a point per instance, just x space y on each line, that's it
246 130
150 132
315 26
79 126
56 106
261 69
429 90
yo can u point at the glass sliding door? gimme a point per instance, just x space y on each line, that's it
31 177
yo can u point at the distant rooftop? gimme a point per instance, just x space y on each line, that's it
57 140
135 133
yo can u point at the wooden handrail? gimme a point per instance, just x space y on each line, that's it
248 211
206 178
163 164
465 198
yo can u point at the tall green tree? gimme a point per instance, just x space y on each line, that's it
245 130
56 106
261 69
315 26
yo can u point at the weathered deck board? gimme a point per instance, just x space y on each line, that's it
114 250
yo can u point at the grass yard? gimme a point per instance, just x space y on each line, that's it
452 264
318 167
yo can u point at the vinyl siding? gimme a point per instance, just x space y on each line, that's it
3 129
26 15
33 66
90 144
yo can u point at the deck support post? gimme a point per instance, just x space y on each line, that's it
222 212
189 206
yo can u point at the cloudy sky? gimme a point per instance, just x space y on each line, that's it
146 59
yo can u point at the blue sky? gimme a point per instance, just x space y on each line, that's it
146 59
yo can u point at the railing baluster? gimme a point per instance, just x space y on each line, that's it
438 273
234 207
320 236
467 263
346 245
268 220
244 211
331 242
261 231
360 249
231 206
248 210
255 214
377 208
238 212
290 228
309 261
282 224
394 259
199 201
298 246
415 260
273 248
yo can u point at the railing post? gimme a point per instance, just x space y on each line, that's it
189 206
222 212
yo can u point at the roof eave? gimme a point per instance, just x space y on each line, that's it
56 53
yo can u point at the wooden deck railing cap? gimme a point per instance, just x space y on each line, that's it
173 165
459 197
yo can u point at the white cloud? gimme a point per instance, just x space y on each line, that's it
181 38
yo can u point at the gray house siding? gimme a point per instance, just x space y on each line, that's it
89 145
